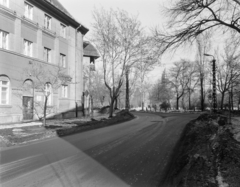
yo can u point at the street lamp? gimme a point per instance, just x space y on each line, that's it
214 82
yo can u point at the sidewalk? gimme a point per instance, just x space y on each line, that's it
17 125
51 122
20 133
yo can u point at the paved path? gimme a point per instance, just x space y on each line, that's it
133 153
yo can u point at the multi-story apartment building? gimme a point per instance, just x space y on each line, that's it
38 32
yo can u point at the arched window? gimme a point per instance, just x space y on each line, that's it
28 89
48 93
4 90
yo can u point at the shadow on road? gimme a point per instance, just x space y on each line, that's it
134 153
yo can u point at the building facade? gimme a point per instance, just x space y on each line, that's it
90 54
39 33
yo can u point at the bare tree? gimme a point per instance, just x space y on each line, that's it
46 80
149 58
111 40
119 38
179 79
99 90
203 46
190 18
161 92
228 72
137 48
192 83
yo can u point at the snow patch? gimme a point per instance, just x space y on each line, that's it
220 181
236 128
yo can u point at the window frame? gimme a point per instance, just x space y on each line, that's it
26 11
63 30
6 5
47 21
6 79
64 91
28 51
1 39
63 60
47 54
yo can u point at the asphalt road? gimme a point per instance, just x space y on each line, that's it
134 153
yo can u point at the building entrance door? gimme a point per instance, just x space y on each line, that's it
27 108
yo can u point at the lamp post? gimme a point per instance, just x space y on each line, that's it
213 82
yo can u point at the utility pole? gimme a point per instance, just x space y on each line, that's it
214 95
127 89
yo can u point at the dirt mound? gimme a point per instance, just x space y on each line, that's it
125 114
206 155
120 117
104 110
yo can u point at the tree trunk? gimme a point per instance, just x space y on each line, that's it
111 108
177 101
202 92
232 101
127 104
232 98
91 97
89 104
222 100
183 104
116 103
83 102
239 102
45 110
76 109
189 99
142 102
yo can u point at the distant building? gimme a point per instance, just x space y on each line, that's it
90 54
38 31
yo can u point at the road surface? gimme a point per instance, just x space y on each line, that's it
133 153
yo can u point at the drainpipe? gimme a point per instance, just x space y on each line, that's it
76 104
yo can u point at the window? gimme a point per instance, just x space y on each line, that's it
38 98
28 11
4 2
47 54
27 48
3 40
64 91
63 30
4 90
63 60
47 22
48 93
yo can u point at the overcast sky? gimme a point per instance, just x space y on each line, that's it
149 13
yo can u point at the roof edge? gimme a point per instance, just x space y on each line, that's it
44 4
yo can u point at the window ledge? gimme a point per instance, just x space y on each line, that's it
5 106
62 37
28 57
30 22
49 32
8 11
